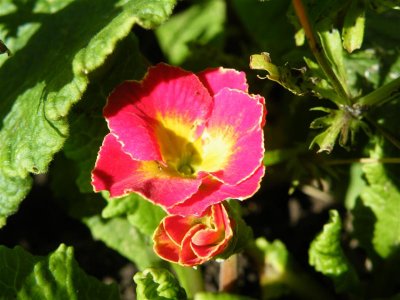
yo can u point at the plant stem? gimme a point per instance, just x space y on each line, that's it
191 279
228 274
316 49
382 95
395 142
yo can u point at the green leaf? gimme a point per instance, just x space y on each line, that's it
326 255
382 196
343 123
332 46
57 276
353 27
141 213
78 37
120 235
333 122
158 284
220 296
202 23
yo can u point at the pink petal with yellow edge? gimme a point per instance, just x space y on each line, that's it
213 191
168 99
212 241
178 226
218 78
164 246
118 173
235 145
187 256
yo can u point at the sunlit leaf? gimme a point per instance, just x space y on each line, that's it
326 255
353 27
158 284
49 72
56 276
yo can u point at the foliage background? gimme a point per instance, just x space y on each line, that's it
327 215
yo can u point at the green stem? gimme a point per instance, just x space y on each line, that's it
316 49
382 95
191 279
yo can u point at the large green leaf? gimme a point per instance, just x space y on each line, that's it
56 46
327 256
55 277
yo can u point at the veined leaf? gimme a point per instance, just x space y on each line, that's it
57 276
40 83
158 284
326 255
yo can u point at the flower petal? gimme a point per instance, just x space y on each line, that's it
187 256
178 226
218 78
235 145
169 99
164 246
118 173
212 241
213 191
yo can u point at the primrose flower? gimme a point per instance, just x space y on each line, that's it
181 140
190 241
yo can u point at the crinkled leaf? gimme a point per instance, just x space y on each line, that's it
326 255
202 23
48 73
220 296
158 284
57 276
141 213
353 27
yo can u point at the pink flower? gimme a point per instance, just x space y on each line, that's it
181 140
190 241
